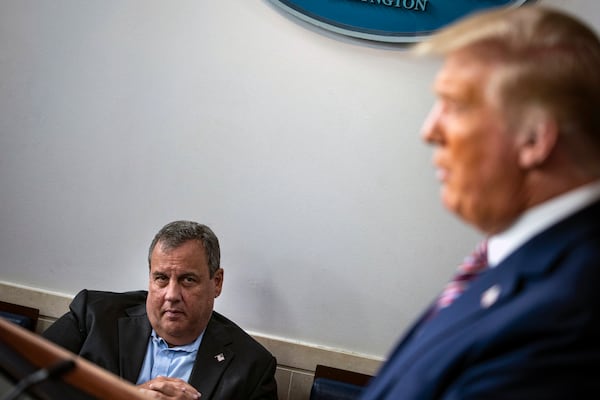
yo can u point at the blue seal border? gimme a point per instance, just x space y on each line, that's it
392 21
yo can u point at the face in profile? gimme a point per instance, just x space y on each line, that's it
475 153
181 292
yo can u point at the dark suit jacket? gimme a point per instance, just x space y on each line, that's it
112 330
539 338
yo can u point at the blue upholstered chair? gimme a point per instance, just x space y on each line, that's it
26 317
337 384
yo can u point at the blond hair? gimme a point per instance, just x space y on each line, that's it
547 59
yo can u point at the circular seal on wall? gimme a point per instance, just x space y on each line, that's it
394 21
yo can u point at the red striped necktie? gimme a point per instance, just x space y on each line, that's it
467 271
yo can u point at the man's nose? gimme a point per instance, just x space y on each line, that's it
173 291
430 130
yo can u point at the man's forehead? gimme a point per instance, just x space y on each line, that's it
189 246
462 74
172 244
177 269
190 253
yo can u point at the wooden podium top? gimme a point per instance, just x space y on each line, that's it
85 376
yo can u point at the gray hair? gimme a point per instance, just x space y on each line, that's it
176 233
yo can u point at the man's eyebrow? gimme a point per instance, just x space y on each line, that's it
187 274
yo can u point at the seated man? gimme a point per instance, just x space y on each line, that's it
169 340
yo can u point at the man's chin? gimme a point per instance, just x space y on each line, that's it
174 326
172 330
449 201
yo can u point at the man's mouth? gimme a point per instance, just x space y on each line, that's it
441 174
172 313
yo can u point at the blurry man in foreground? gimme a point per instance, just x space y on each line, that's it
516 137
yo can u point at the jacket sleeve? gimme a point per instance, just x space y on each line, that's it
69 331
266 388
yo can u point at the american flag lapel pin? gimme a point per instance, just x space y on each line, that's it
489 297
220 357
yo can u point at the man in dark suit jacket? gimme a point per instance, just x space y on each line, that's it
516 130
135 334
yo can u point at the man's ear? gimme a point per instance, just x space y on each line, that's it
218 281
537 139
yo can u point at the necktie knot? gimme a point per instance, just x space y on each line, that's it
470 268
476 261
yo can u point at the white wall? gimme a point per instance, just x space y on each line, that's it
299 147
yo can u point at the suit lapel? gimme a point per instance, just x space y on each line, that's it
213 358
497 285
134 332
534 260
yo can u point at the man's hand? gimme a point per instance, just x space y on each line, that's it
162 387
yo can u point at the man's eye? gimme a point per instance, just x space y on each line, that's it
160 278
189 280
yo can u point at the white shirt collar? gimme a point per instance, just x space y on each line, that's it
538 218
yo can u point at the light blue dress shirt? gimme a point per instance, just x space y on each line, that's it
162 360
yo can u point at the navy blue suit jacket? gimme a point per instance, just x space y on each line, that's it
539 338
112 330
